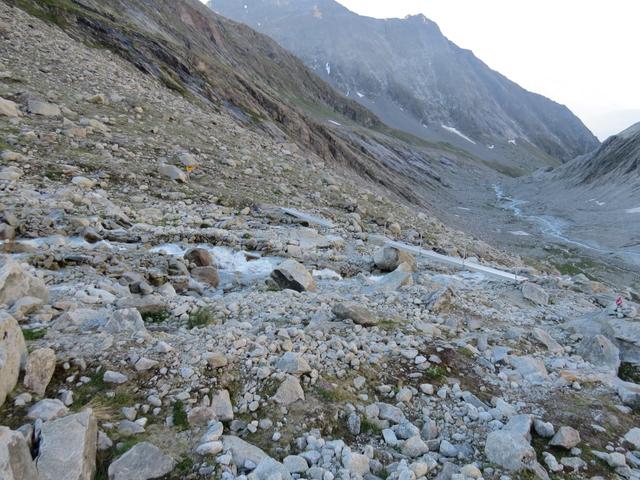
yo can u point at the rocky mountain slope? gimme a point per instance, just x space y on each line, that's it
186 296
407 72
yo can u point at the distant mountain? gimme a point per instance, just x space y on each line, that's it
408 73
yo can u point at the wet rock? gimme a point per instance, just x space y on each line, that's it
8 108
289 391
292 275
600 351
565 437
44 109
68 448
200 257
16 282
15 457
206 275
144 461
509 450
387 259
12 351
535 294
40 367
356 313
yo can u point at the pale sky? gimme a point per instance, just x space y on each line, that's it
582 53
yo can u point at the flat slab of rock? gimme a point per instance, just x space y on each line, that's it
16 282
356 313
566 437
8 108
144 461
68 448
535 294
391 282
293 276
509 450
12 350
47 409
45 109
15 457
289 391
242 451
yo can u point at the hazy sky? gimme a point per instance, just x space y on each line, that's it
582 53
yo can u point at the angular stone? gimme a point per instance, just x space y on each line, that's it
294 276
17 282
295 464
217 359
242 451
509 450
356 463
600 351
531 369
68 448
289 391
354 312
221 405
45 109
400 277
144 461
15 457
47 409
269 469
293 363
125 320
40 367
547 340
8 108
114 377
414 447
633 437
173 172
12 351
390 412
388 259
535 294
565 437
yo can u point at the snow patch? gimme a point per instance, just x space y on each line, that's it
458 132
328 68
491 147
360 94
633 210
335 123
513 141
520 233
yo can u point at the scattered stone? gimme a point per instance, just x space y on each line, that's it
221 405
47 409
144 461
565 437
356 313
292 275
388 259
12 351
535 294
8 108
16 282
293 363
40 367
509 450
633 437
44 109
289 391
15 457
68 448
174 173
114 377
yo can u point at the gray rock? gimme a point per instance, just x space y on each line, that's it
293 363
520 424
353 423
447 449
356 313
535 294
242 451
547 340
68 448
289 391
17 282
40 367
390 412
127 428
174 173
295 464
47 409
531 369
8 108
509 450
600 351
292 275
388 259
221 405
565 437
544 429
269 469
206 275
400 277
12 351
45 109
15 457
114 377
125 320
633 437
144 461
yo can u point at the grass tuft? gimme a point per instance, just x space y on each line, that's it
200 318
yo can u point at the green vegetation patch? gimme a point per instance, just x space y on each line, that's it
200 318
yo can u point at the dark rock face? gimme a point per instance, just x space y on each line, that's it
409 65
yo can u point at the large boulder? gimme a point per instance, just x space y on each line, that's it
242 451
293 363
144 461
289 391
44 109
174 173
510 450
12 351
15 457
535 294
600 351
68 448
200 257
221 405
40 367
8 108
292 275
388 259
400 277
356 313
17 281
207 275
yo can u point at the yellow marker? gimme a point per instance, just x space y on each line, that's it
190 169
